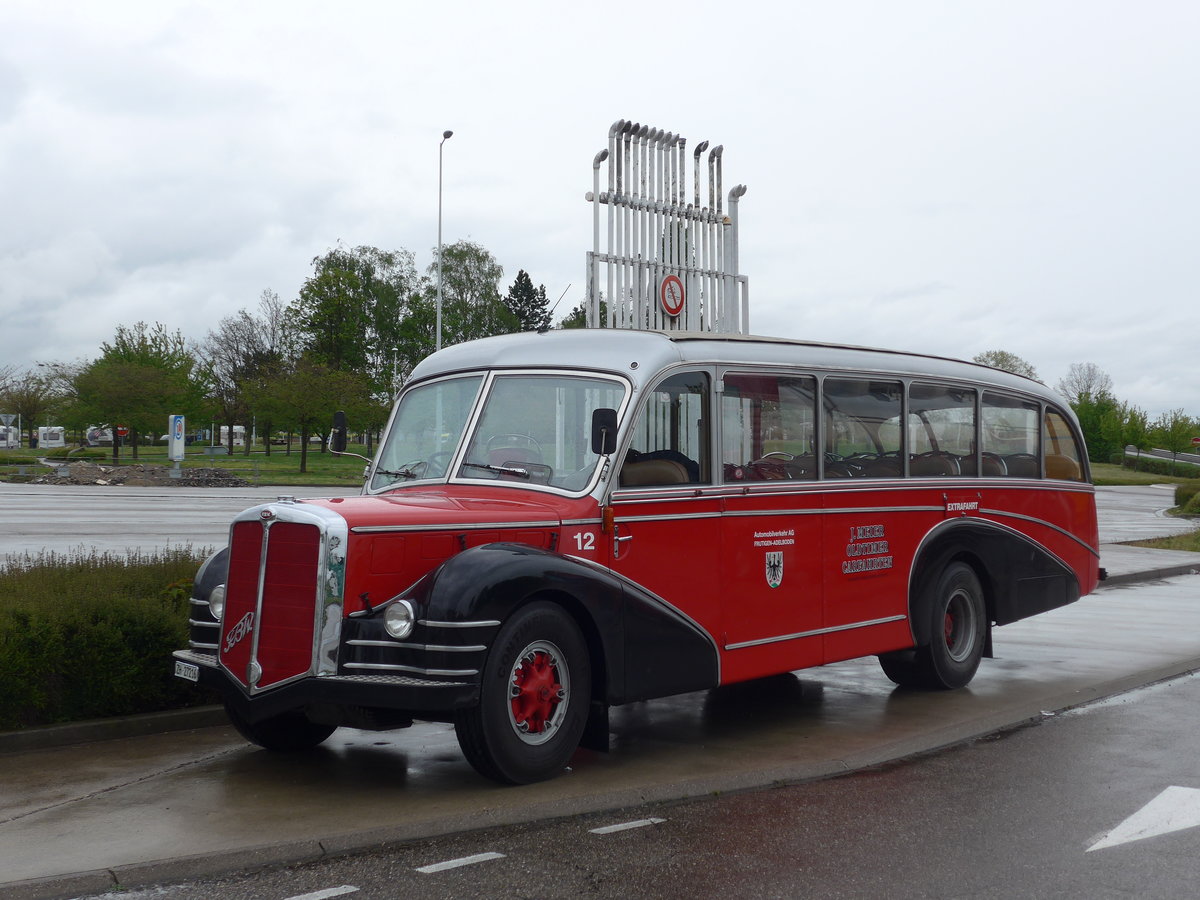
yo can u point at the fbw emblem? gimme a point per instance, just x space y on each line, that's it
775 568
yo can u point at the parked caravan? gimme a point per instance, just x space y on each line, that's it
51 436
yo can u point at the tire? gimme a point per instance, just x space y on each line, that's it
957 620
534 698
290 732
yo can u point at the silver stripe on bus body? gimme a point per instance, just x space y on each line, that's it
429 648
758 642
386 667
483 623
1095 551
465 526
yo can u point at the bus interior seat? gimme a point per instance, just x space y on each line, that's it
1022 465
934 463
993 466
1062 467
653 471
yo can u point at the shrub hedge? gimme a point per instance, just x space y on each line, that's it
85 636
1155 465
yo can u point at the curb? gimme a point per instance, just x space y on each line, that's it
44 738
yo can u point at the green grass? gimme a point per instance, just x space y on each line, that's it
1189 542
1107 474
279 468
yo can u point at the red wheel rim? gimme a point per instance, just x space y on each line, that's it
538 692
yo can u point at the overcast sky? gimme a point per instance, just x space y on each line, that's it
947 177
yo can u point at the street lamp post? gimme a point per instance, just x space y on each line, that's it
446 135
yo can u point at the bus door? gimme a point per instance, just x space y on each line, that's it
665 529
771 530
867 524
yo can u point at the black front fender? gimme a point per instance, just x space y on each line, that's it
640 646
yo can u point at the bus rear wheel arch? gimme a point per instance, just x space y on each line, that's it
951 613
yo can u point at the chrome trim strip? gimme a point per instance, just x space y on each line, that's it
674 518
465 526
383 667
196 601
204 624
484 623
196 645
431 648
1095 551
816 633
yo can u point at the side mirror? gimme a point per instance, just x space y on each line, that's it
338 438
604 431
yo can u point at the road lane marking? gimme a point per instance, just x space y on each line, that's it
455 863
625 826
327 893
1175 809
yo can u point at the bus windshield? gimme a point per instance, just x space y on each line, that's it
536 429
426 432
533 429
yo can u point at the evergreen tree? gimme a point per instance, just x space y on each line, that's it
528 304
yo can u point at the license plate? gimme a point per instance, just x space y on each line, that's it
187 670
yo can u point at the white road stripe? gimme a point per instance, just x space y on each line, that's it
1175 809
455 863
625 826
327 893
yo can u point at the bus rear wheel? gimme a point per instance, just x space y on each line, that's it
533 701
957 621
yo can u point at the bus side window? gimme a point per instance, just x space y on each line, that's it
670 437
863 436
767 428
1063 459
941 430
1010 437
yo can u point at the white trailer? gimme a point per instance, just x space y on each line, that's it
51 436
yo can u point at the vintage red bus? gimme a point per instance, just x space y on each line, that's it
558 523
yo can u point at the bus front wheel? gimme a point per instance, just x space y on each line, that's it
533 701
957 620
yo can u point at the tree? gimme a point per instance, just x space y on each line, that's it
472 307
242 351
577 317
527 303
305 398
348 313
142 377
1137 431
1009 362
1084 378
29 395
1102 420
1173 431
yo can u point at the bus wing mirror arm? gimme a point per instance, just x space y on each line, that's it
604 431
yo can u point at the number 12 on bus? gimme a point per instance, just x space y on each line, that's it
561 523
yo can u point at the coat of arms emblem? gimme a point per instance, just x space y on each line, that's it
775 568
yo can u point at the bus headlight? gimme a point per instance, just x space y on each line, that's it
216 602
399 619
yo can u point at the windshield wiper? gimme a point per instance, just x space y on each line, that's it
399 473
503 470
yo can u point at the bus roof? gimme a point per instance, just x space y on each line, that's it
641 355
